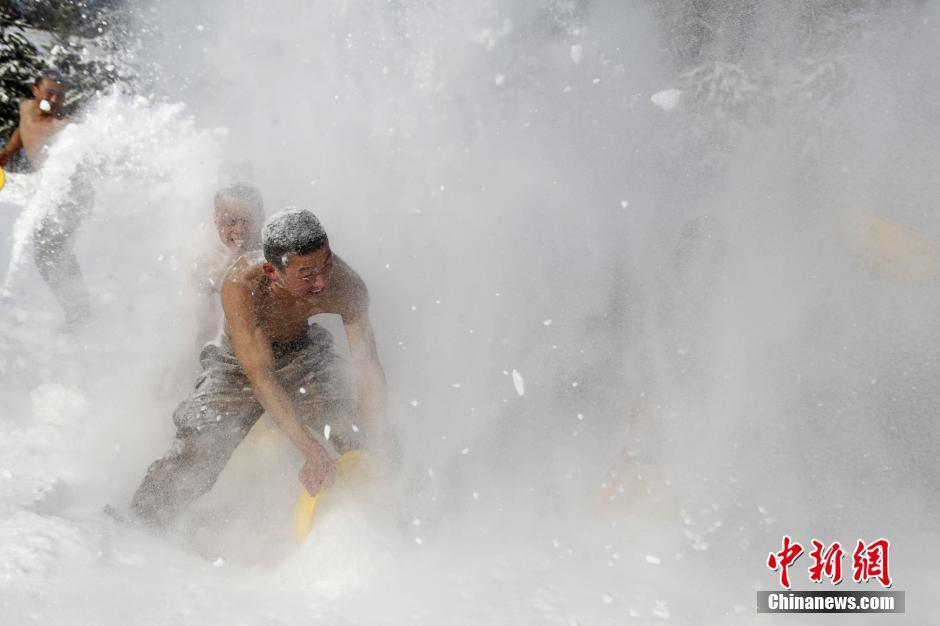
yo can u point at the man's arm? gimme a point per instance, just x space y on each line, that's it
370 383
14 145
253 351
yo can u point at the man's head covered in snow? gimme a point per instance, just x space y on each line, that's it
291 232
297 252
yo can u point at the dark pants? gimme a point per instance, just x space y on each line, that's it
222 408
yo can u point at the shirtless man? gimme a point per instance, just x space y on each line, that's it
271 360
40 119
239 214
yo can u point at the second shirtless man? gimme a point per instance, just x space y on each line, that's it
270 359
41 119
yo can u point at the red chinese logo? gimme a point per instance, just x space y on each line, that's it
784 559
871 561
826 563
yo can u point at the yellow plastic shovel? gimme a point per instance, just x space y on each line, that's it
353 466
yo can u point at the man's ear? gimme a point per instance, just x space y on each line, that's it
269 270
35 92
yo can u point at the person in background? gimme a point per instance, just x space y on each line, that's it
239 215
41 119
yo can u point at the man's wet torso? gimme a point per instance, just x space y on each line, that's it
281 316
37 130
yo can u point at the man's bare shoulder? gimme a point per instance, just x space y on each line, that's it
245 272
208 269
353 296
347 274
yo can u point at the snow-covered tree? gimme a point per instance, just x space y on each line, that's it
20 61
78 38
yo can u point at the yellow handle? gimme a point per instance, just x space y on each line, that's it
303 514
349 463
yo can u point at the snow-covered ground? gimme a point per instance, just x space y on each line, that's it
565 259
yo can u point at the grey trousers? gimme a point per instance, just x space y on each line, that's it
54 253
222 408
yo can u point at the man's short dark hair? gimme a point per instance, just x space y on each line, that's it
53 75
244 195
292 231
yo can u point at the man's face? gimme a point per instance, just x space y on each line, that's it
237 226
52 92
305 276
